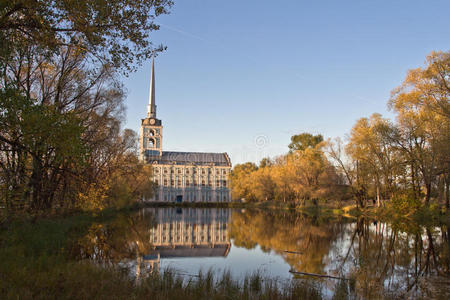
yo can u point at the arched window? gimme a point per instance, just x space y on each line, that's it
152 132
151 143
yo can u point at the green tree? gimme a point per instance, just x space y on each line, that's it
304 140
116 31
40 147
61 103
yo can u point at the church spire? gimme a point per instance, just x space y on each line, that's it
151 108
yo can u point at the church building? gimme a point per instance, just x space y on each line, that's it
181 176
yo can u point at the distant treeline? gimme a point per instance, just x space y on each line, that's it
61 106
405 162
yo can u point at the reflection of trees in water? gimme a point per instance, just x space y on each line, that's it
392 260
124 236
385 260
280 231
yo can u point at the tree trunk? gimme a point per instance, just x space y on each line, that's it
428 193
35 184
378 196
446 194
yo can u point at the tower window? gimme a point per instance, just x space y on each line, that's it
151 143
152 132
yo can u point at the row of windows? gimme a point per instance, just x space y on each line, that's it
179 226
169 212
219 183
193 198
194 171
194 239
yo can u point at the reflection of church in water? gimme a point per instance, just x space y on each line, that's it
181 176
184 233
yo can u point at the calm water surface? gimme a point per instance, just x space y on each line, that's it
383 260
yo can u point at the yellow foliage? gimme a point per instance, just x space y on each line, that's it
94 197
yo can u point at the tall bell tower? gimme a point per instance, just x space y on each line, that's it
150 141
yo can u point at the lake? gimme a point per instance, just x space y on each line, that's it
380 260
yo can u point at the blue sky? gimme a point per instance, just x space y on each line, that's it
243 76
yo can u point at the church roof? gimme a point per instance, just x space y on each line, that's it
151 108
197 158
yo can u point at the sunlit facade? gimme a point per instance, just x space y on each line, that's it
181 176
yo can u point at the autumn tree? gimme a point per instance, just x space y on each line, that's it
376 158
241 181
61 105
299 175
422 132
348 169
406 160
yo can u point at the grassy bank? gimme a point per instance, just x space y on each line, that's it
424 215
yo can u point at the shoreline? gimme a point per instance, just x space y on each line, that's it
422 215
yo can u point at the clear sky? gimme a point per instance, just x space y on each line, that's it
243 76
